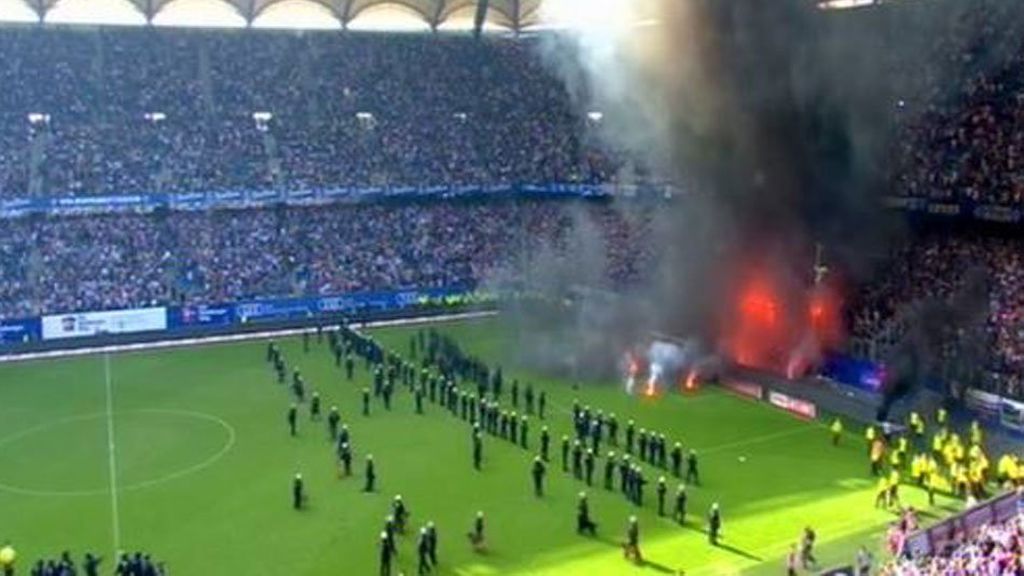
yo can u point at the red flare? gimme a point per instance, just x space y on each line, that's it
691 380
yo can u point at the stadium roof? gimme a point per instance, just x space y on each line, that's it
408 15
388 14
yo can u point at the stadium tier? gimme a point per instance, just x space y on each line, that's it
123 111
993 548
936 267
54 265
968 143
143 110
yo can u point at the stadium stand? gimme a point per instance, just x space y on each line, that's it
344 111
958 144
82 117
128 260
934 267
967 144
393 110
118 112
992 549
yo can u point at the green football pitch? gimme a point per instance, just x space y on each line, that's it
185 454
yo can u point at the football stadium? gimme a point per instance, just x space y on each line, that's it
511 287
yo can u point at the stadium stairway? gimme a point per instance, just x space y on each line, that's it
97 62
36 157
164 176
33 269
206 80
312 52
273 158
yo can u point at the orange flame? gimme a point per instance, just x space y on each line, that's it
691 380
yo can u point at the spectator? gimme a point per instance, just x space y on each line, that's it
61 264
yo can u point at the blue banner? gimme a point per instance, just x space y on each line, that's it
201 315
856 372
303 197
963 209
20 331
281 309
250 311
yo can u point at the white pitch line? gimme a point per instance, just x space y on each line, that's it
112 460
755 440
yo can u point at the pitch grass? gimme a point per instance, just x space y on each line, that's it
203 466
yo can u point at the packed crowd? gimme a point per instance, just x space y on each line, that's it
351 110
937 267
964 139
359 110
121 261
993 549
960 139
149 110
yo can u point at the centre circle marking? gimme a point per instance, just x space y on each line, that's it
209 461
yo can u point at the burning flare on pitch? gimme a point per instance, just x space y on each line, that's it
652 379
691 380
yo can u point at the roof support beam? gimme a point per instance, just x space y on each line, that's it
481 17
40 7
248 9
346 13
149 10
517 15
435 18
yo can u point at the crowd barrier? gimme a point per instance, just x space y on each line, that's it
196 201
965 209
263 332
939 538
798 407
868 376
1006 412
57 330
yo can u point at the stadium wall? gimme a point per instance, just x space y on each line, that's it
807 401
850 387
196 201
994 408
77 330
99 347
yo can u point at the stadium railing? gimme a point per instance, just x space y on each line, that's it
938 538
967 209
146 202
118 327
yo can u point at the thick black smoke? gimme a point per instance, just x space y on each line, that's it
778 120
944 341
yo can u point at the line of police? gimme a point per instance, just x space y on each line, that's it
443 363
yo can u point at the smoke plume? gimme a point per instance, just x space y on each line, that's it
777 121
